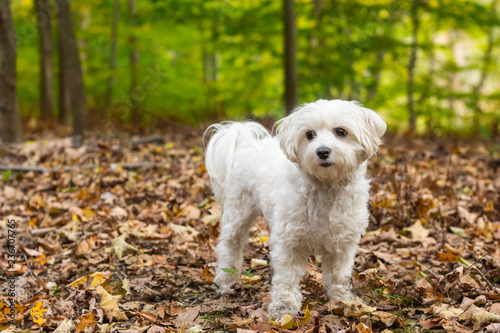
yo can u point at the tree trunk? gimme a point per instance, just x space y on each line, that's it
112 57
314 40
9 108
484 69
64 91
135 93
376 71
46 65
290 50
72 69
411 67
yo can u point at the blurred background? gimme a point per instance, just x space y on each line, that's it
427 66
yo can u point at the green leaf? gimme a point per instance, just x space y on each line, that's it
233 271
248 273
459 231
463 261
6 175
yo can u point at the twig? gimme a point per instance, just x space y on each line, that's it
484 277
149 139
29 267
41 232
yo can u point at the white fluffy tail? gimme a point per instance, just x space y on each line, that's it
226 139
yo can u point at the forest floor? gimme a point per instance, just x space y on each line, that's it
119 236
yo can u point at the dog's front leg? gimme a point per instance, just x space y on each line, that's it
289 266
337 271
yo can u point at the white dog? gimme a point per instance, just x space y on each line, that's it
309 183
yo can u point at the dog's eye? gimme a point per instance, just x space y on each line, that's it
341 132
310 135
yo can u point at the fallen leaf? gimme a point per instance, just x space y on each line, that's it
418 232
109 304
187 318
445 311
387 318
362 328
479 317
65 326
87 323
289 322
37 313
258 262
120 246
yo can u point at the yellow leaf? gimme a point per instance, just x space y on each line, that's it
251 280
33 222
263 239
288 322
489 207
75 218
98 279
109 304
88 213
37 313
77 282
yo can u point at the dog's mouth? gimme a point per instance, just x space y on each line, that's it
326 164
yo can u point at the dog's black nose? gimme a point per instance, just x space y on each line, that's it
323 152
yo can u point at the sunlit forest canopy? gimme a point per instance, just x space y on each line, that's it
201 60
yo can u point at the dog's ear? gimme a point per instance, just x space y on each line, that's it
373 129
286 133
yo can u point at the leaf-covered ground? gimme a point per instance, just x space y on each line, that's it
119 236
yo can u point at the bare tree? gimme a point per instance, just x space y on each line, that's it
290 50
64 90
9 108
134 67
43 14
112 57
411 66
71 67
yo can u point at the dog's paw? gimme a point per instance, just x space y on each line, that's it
340 293
224 290
277 311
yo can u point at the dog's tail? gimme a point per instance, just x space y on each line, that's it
226 139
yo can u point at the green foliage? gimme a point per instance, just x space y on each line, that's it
233 271
6 175
205 59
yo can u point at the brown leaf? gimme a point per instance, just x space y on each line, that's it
387 318
187 318
147 316
479 317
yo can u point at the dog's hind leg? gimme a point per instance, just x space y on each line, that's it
235 225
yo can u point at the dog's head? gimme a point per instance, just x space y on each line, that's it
329 139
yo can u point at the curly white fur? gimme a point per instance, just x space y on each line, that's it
314 204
